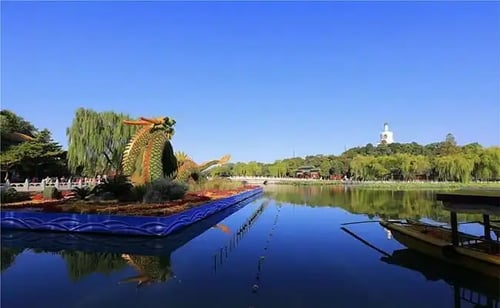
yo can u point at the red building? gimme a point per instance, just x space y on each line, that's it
308 172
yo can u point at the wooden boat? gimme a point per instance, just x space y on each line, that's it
479 253
473 252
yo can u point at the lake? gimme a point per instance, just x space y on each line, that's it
283 249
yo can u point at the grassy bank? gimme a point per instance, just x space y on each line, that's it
400 185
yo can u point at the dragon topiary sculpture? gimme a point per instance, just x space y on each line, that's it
187 169
149 155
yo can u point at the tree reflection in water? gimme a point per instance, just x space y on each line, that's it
8 256
390 204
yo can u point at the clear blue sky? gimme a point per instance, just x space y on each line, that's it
259 80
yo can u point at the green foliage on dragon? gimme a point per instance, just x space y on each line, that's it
188 170
149 156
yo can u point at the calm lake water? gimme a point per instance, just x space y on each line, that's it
283 249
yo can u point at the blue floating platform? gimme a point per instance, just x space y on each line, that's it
109 243
119 224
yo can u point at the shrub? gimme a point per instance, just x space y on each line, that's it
164 190
119 187
216 184
82 193
12 195
198 177
138 192
51 193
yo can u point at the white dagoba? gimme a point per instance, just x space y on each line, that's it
386 136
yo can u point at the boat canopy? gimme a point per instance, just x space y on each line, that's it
479 202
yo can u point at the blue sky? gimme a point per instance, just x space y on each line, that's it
260 80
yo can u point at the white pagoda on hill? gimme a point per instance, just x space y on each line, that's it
386 137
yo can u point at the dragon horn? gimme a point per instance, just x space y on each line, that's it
146 119
152 121
133 122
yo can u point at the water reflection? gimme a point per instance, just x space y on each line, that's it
150 269
390 204
468 286
223 253
88 253
8 256
248 257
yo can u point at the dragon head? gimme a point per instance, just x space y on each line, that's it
165 123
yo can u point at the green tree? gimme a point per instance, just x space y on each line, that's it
253 169
14 129
449 146
360 166
338 165
28 151
325 166
96 142
454 167
421 166
487 166
240 169
273 170
397 161
464 167
282 168
43 156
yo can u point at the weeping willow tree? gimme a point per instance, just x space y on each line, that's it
454 167
96 142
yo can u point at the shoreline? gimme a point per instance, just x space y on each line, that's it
392 185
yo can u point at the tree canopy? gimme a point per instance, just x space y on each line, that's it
37 155
96 142
14 129
444 161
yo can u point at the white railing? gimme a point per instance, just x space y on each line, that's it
27 186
